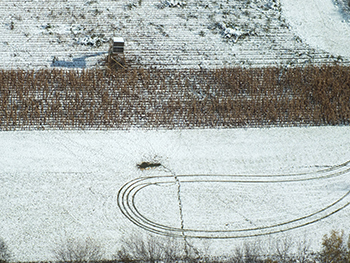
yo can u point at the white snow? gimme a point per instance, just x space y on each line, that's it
64 184
170 34
320 24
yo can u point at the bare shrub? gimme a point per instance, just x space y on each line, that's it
303 253
151 249
286 250
78 250
4 252
249 253
335 248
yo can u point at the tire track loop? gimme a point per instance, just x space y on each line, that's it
128 192
125 199
154 227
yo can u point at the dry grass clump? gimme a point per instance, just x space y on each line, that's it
5 254
79 251
149 98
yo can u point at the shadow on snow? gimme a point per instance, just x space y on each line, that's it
78 62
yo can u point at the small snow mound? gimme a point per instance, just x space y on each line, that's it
175 3
233 34
93 40
229 32
270 5
77 29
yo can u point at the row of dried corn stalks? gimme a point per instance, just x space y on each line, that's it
154 98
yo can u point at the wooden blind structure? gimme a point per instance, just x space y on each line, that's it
117 45
116 53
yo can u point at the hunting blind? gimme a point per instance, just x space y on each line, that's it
118 45
116 52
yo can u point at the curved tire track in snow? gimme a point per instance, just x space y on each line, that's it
127 193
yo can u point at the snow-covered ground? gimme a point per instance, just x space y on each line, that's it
171 33
64 184
320 23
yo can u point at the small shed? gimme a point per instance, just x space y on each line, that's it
117 45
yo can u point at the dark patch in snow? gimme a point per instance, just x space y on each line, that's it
145 165
344 8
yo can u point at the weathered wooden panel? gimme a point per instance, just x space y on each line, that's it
118 45
118 49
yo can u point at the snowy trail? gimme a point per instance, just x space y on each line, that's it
320 24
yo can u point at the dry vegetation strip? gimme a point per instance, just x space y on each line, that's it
228 97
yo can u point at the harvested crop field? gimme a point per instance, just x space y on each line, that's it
154 98
171 34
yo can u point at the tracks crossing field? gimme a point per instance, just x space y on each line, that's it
64 184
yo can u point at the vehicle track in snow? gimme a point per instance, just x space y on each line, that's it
127 202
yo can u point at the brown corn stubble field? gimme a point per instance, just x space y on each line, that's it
161 98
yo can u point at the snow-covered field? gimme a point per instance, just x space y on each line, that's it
225 186
172 33
64 184
322 24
